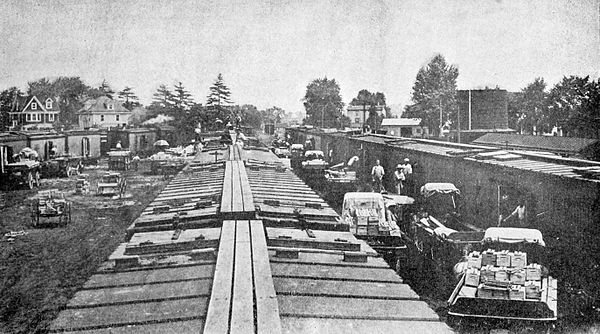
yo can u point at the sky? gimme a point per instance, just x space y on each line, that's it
268 51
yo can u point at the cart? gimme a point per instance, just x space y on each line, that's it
23 172
526 294
112 183
64 166
119 160
52 206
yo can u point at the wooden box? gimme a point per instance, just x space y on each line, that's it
503 259
516 292
474 260
488 258
518 260
533 272
472 277
501 274
517 276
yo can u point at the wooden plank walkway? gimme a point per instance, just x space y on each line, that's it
243 296
236 198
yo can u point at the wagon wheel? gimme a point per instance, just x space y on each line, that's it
37 179
30 181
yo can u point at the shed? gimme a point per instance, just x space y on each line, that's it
44 142
404 127
83 143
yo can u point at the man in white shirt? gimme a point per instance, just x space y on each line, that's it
520 212
377 174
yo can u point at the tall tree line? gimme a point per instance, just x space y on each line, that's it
571 106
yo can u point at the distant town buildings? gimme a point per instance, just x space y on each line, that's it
33 112
103 112
358 114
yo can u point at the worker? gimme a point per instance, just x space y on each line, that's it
407 167
399 177
408 183
135 161
377 174
520 213
53 153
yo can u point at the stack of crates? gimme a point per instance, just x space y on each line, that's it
82 185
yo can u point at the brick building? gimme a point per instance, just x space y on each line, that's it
483 109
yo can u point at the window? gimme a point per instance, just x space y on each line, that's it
33 106
28 117
110 106
117 118
418 131
48 104
101 118
50 117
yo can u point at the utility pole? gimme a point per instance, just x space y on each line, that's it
459 121
441 120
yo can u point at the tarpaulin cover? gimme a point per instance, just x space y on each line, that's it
430 189
514 235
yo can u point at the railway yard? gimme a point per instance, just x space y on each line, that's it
234 242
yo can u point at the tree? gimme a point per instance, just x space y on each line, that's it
218 99
273 115
250 115
181 98
323 103
131 100
7 97
435 91
572 105
162 98
530 107
41 87
103 90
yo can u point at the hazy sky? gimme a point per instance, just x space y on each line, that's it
268 51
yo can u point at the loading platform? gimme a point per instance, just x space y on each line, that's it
235 243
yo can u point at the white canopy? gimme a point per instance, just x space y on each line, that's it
514 235
429 189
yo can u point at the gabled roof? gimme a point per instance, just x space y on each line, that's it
100 105
546 143
401 122
23 103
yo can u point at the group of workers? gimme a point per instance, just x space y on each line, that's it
402 176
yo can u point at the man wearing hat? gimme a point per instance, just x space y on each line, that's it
399 178
408 181
407 167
